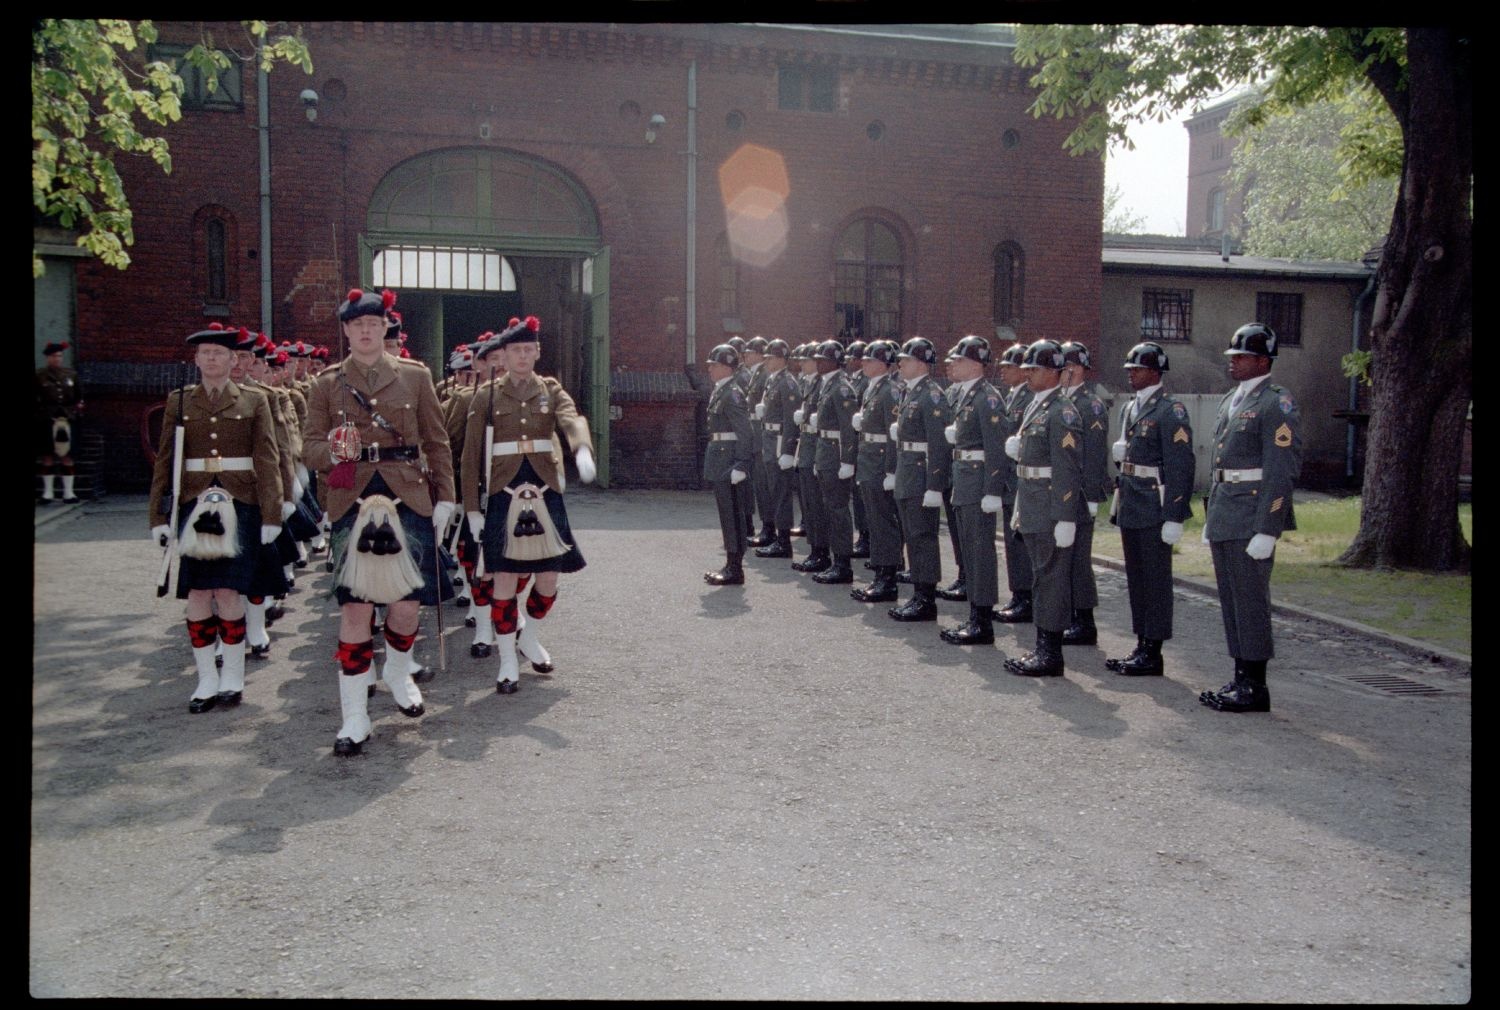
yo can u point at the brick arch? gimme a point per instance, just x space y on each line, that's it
867 327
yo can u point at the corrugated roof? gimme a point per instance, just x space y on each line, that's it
1209 263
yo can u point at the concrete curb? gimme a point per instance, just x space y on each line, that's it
49 513
1425 649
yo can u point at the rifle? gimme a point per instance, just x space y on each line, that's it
164 579
484 494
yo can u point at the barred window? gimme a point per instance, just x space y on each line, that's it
814 89
228 94
1166 314
1009 284
443 268
867 282
1282 312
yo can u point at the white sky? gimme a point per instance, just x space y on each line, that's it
1153 178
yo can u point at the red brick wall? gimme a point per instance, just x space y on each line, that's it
940 174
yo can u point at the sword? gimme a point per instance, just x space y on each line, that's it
437 575
164 579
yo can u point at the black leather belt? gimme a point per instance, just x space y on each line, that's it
376 453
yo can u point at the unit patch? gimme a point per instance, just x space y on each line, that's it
1283 436
1179 412
1286 403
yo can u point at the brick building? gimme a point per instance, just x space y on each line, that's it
643 189
1212 206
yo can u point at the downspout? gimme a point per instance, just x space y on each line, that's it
1359 303
263 97
692 214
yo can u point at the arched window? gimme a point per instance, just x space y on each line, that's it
1009 284
867 265
729 281
1216 210
215 252
218 285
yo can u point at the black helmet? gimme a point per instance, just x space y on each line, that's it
724 354
883 351
829 350
778 349
920 348
1147 355
1044 354
1013 355
973 348
756 344
1075 353
737 342
856 351
1253 338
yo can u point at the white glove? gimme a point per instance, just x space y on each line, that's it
1205 530
441 513
1013 447
855 421
760 411
1171 532
932 499
1118 451
893 433
889 484
1063 534
991 503
786 462
476 524
951 434
287 508
812 420
1260 546
584 457
160 535
846 470
1093 509
736 475
798 415
269 533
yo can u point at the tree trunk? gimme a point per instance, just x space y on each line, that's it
1422 330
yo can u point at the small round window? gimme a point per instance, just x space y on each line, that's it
734 121
1010 140
875 130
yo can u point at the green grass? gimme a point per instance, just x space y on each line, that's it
1430 608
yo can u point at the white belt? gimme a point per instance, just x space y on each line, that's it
215 464
875 438
1136 470
807 429
832 434
524 446
1236 476
1035 472
913 446
723 436
969 455
773 426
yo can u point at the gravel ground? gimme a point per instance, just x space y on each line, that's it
767 791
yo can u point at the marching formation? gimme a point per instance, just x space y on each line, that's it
876 449
278 455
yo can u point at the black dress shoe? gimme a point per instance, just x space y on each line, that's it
978 630
299 563
904 577
411 711
1145 661
861 548
817 561
764 538
543 667
732 574
1135 655
882 590
328 566
479 650
470 622
460 601
200 705
957 591
70 501
1082 631
370 691
219 661
1241 696
839 573
780 548
1045 661
507 686
260 651
423 675
1017 611
229 698
344 747
921 607
275 613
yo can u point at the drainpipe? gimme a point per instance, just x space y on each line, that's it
692 213
263 97
1359 303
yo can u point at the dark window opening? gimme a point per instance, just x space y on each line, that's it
1166 314
1282 313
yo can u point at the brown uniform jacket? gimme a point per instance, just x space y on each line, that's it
405 398
540 408
238 425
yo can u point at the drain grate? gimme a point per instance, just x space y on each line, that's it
1392 684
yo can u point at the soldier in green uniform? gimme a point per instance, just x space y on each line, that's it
814 515
1018 573
726 460
779 434
834 465
977 435
875 470
1049 502
1096 488
1257 457
922 474
754 358
1152 501
59 401
954 591
854 358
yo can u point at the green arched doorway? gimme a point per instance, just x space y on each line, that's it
470 237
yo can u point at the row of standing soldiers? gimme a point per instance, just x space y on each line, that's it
876 450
